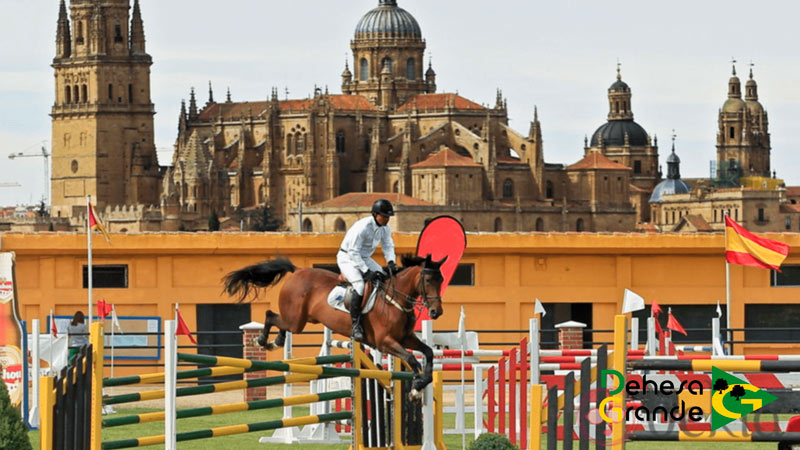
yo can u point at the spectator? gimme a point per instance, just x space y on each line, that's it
78 334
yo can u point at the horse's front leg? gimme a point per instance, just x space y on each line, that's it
426 378
397 349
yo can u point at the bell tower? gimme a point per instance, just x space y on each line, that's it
102 116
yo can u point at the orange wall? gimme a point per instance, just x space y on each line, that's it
511 270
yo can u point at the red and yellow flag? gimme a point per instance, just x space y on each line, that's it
96 224
745 248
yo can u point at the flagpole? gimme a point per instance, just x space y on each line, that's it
728 333
52 322
89 250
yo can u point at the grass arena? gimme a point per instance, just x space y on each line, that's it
507 273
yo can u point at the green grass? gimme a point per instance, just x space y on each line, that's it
250 440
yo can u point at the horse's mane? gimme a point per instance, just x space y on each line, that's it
411 261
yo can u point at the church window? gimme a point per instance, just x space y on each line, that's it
339 225
637 167
761 217
715 215
539 224
733 132
411 69
84 94
366 146
76 97
340 142
110 91
67 94
396 187
130 93
508 188
289 146
788 223
625 106
307 226
498 224
549 190
300 143
117 32
616 107
579 225
673 217
79 38
74 166
363 74
736 214
387 62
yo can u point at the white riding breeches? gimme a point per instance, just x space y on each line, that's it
352 272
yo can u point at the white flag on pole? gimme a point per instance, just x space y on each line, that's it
115 320
632 302
719 310
462 330
538 308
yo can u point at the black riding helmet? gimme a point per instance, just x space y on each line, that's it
383 207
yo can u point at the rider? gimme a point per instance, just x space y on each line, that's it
355 256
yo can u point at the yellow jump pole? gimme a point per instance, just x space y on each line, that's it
358 400
620 359
96 339
47 401
438 413
535 432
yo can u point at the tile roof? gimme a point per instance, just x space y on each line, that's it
446 157
596 160
438 101
506 159
247 109
789 208
793 191
366 199
698 222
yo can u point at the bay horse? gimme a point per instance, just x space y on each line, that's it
388 327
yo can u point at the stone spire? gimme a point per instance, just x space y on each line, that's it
63 36
228 96
192 106
137 31
734 85
673 162
210 93
751 88
182 126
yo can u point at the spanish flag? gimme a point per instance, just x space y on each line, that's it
745 248
95 224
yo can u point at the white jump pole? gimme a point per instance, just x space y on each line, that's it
170 385
716 344
651 336
634 333
427 407
33 410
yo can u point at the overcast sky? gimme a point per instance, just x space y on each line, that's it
560 56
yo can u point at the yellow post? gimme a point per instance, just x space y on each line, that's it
96 339
47 401
397 417
620 360
535 431
358 401
438 412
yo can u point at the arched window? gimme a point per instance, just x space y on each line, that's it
387 62
549 190
396 187
118 32
79 36
130 93
339 225
340 142
498 224
289 144
411 69
307 227
84 94
363 73
733 132
67 94
539 224
76 96
508 188
300 143
110 91
579 225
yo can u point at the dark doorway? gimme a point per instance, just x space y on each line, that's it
219 333
564 312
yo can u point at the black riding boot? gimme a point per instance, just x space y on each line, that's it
355 315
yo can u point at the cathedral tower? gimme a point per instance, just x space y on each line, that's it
743 134
388 52
103 143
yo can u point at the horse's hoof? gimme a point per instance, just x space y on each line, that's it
415 395
270 346
262 341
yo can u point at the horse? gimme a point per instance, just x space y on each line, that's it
388 327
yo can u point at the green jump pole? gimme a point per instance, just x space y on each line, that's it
296 368
229 408
229 430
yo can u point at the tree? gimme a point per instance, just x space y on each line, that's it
720 385
213 221
12 431
263 219
738 392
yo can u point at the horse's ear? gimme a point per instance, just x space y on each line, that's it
439 263
428 260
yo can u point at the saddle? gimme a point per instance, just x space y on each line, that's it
336 298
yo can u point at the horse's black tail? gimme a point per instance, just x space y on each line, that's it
261 275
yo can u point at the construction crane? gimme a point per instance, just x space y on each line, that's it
15 184
46 157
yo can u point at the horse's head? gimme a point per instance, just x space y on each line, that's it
429 283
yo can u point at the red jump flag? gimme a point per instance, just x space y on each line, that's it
103 309
655 309
672 324
53 327
96 224
183 329
744 248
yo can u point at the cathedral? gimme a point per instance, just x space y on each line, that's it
318 163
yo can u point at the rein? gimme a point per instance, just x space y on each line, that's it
407 299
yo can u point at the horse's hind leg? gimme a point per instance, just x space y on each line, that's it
271 320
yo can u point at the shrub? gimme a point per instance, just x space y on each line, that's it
13 434
491 441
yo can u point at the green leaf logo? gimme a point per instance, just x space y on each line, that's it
733 398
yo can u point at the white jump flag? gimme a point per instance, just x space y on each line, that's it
538 308
632 302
